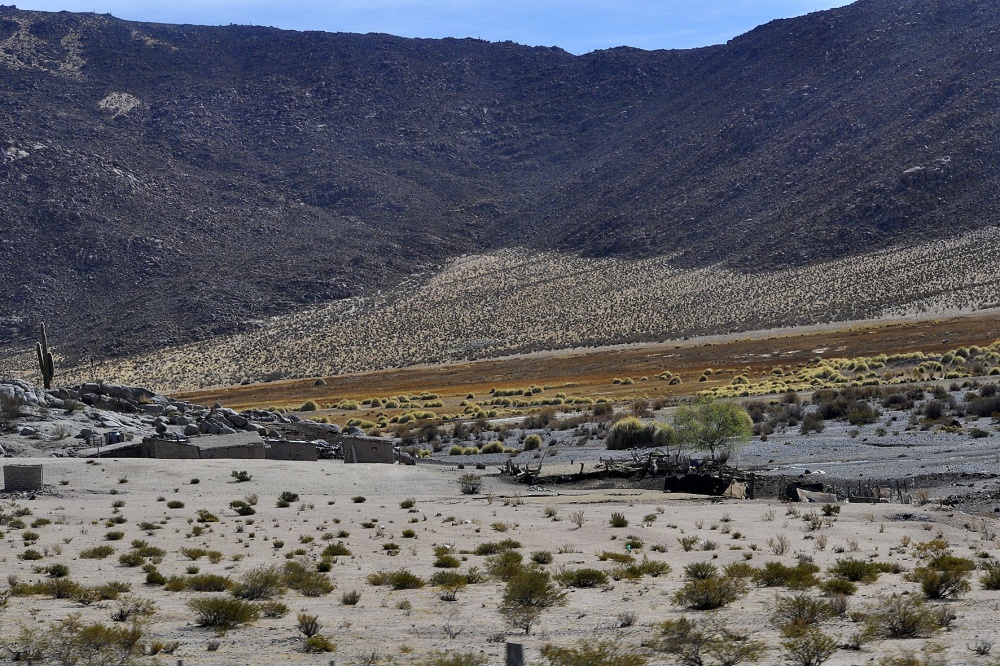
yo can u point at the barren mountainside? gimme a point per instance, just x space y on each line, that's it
164 183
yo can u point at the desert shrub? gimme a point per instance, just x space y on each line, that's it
934 409
834 586
111 590
154 577
592 653
454 659
308 625
57 570
401 579
288 496
618 520
350 598
318 644
131 607
653 568
223 613
632 433
495 547
175 504
206 516
856 571
242 508
985 406
144 549
990 579
777 574
740 570
63 588
861 413
470 484
448 579
614 556
582 578
693 642
493 447
261 583
901 616
812 422
301 576
526 595
945 576
131 559
545 557
241 476
700 570
504 565
709 593
809 647
97 552
114 536
273 609
446 561
793 611
193 553
30 554
208 583
336 550
532 442
71 641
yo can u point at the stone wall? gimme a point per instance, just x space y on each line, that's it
22 477
168 449
237 452
277 450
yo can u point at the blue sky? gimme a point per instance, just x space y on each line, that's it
578 26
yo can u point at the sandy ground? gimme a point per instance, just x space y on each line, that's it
377 630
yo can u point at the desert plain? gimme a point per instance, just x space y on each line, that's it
368 508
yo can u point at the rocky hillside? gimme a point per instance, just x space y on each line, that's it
163 183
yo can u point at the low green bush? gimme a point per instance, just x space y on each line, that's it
223 613
582 578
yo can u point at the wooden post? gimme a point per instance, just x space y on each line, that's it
515 654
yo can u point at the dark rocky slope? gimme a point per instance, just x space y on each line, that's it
161 183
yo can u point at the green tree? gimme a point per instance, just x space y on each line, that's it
713 426
527 595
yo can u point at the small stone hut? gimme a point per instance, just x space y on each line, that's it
367 450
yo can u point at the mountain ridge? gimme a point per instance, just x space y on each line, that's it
163 183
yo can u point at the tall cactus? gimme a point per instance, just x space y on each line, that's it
45 359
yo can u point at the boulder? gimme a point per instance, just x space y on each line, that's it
190 430
237 420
